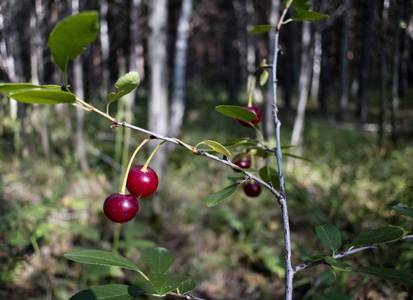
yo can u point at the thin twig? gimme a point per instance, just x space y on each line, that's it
184 296
346 253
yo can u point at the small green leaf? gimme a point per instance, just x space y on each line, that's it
217 197
124 85
100 257
296 156
217 147
236 176
263 62
389 274
404 210
261 29
158 259
187 285
337 265
70 36
264 77
377 236
308 16
164 284
231 143
269 175
44 96
109 292
329 235
299 5
237 112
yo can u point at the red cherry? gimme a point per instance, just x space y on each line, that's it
256 111
242 161
142 184
252 189
120 208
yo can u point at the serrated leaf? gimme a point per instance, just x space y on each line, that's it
264 77
70 36
158 259
124 85
329 236
404 210
217 147
221 195
261 29
389 274
187 285
377 236
237 112
337 265
164 284
100 257
44 96
269 175
236 176
308 16
109 292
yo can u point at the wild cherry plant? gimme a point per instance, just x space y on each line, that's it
67 41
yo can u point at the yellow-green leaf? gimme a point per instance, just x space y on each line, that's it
217 147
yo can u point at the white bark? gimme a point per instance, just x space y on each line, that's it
179 78
104 46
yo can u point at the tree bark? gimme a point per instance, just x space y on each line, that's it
104 47
158 87
179 78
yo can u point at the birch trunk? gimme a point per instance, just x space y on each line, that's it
396 76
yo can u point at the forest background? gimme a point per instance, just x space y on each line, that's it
345 85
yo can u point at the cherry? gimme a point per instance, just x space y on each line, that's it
242 161
256 111
120 208
140 183
252 189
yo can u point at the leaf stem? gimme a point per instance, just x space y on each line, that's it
116 237
94 109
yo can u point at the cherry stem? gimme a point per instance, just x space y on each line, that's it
193 149
116 236
250 91
125 179
145 166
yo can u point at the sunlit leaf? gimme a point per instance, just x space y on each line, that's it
70 36
389 274
404 210
237 112
124 85
217 147
164 284
158 259
329 235
43 96
221 195
109 292
18 87
261 29
264 77
308 16
377 236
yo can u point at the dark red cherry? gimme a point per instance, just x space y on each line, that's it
120 208
142 184
256 120
252 188
242 161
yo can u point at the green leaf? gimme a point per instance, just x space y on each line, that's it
329 235
308 16
296 156
404 210
236 176
231 143
264 77
337 265
269 175
109 292
43 96
261 29
18 87
389 274
187 285
100 257
377 236
333 296
70 36
164 284
158 259
237 112
217 147
217 197
125 84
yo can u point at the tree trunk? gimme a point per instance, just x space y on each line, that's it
383 73
179 78
232 72
269 119
342 104
304 82
396 76
324 74
158 87
104 48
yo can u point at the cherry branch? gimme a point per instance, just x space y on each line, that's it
346 253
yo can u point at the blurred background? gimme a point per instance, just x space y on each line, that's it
345 101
